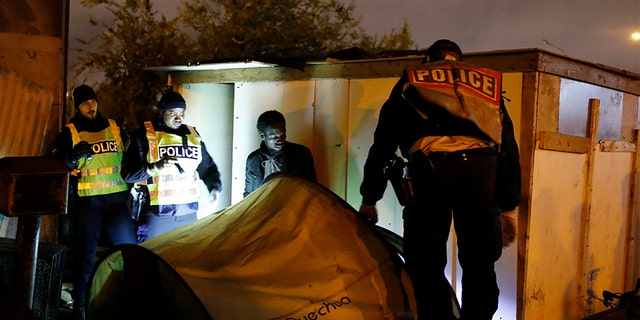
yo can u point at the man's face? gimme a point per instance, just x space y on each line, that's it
89 109
274 137
173 118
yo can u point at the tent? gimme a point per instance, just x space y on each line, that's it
290 250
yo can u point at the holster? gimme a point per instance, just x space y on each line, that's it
140 201
397 171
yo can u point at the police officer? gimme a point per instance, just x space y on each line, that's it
168 158
93 146
448 119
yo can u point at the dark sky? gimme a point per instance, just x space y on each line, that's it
593 30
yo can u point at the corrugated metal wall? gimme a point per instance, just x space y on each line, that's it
26 109
25 115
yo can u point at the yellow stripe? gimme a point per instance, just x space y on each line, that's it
99 184
99 171
151 138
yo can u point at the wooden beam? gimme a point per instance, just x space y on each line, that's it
617 146
561 142
362 69
522 60
582 277
632 258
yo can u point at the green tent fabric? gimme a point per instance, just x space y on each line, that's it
290 250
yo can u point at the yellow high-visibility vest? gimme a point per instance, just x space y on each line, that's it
170 186
100 174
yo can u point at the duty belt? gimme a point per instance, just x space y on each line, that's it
462 155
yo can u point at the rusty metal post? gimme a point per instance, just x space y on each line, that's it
27 238
31 187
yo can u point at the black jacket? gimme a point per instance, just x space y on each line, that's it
296 159
400 125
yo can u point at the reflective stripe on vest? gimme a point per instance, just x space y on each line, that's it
169 186
98 171
101 174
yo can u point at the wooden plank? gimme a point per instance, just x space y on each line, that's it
507 266
629 117
616 146
632 264
562 142
589 72
506 61
361 69
556 64
548 111
585 214
526 143
521 60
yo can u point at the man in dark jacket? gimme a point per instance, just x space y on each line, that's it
93 146
168 158
448 120
276 155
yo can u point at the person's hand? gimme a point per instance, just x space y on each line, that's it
369 213
214 195
508 223
81 150
162 164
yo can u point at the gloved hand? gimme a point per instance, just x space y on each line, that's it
162 164
370 213
508 223
81 150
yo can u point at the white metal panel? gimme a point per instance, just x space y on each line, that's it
293 99
554 230
210 110
251 99
298 110
331 134
574 102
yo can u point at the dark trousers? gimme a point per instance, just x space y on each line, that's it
458 186
89 221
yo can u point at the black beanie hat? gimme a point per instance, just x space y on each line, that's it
439 49
83 93
170 100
